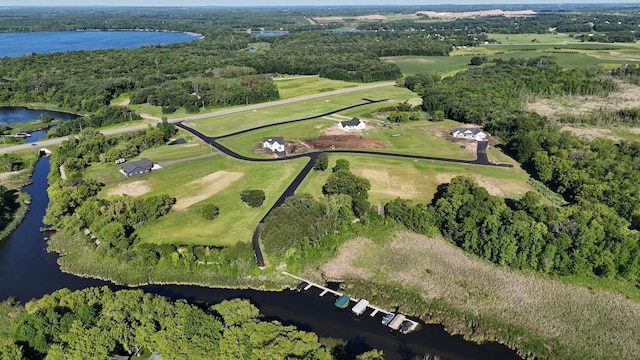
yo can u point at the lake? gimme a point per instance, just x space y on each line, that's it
22 43
9 115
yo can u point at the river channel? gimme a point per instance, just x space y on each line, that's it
27 271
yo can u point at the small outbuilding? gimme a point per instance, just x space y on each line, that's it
353 124
139 167
276 143
474 133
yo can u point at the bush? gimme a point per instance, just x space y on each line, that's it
341 164
210 211
253 198
322 162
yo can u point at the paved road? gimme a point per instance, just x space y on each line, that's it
51 142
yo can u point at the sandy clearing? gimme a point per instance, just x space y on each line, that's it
204 188
125 102
135 188
409 61
466 14
371 17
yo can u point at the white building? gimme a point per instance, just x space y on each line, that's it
353 124
276 143
469 133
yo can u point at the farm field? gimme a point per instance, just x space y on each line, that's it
417 179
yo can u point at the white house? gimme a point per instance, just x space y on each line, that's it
353 124
276 143
469 133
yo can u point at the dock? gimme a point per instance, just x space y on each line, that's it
325 290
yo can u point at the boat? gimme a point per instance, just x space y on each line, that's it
342 302
406 326
302 286
396 322
360 307
387 318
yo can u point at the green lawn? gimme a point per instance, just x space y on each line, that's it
298 86
418 179
221 125
236 221
442 65
245 144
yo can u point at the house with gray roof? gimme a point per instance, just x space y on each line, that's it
139 167
353 124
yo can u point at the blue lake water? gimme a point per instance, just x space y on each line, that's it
10 115
21 43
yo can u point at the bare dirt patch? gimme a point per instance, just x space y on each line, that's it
409 61
125 102
371 17
467 14
135 188
327 142
205 187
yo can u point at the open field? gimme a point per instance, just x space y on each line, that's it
187 180
417 179
245 144
305 85
221 125
579 322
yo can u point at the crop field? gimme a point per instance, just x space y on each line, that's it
418 179
573 321
225 124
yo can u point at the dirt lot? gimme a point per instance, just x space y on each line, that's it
135 188
327 142
201 189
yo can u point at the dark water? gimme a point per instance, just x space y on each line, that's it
9 115
27 271
21 43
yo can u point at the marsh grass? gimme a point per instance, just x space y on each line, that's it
528 311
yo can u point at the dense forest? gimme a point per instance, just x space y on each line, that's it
96 323
596 233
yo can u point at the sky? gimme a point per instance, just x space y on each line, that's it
185 3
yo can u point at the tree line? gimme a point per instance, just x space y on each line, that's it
597 232
97 323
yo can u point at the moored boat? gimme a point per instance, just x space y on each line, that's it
342 302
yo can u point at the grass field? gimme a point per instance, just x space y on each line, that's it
221 125
294 86
417 179
236 221
573 322
218 179
245 144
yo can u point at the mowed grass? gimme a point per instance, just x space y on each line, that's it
182 180
572 321
225 124
306 85
236 221
245 144
437 65
417 179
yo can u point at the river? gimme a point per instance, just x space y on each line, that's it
27 271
